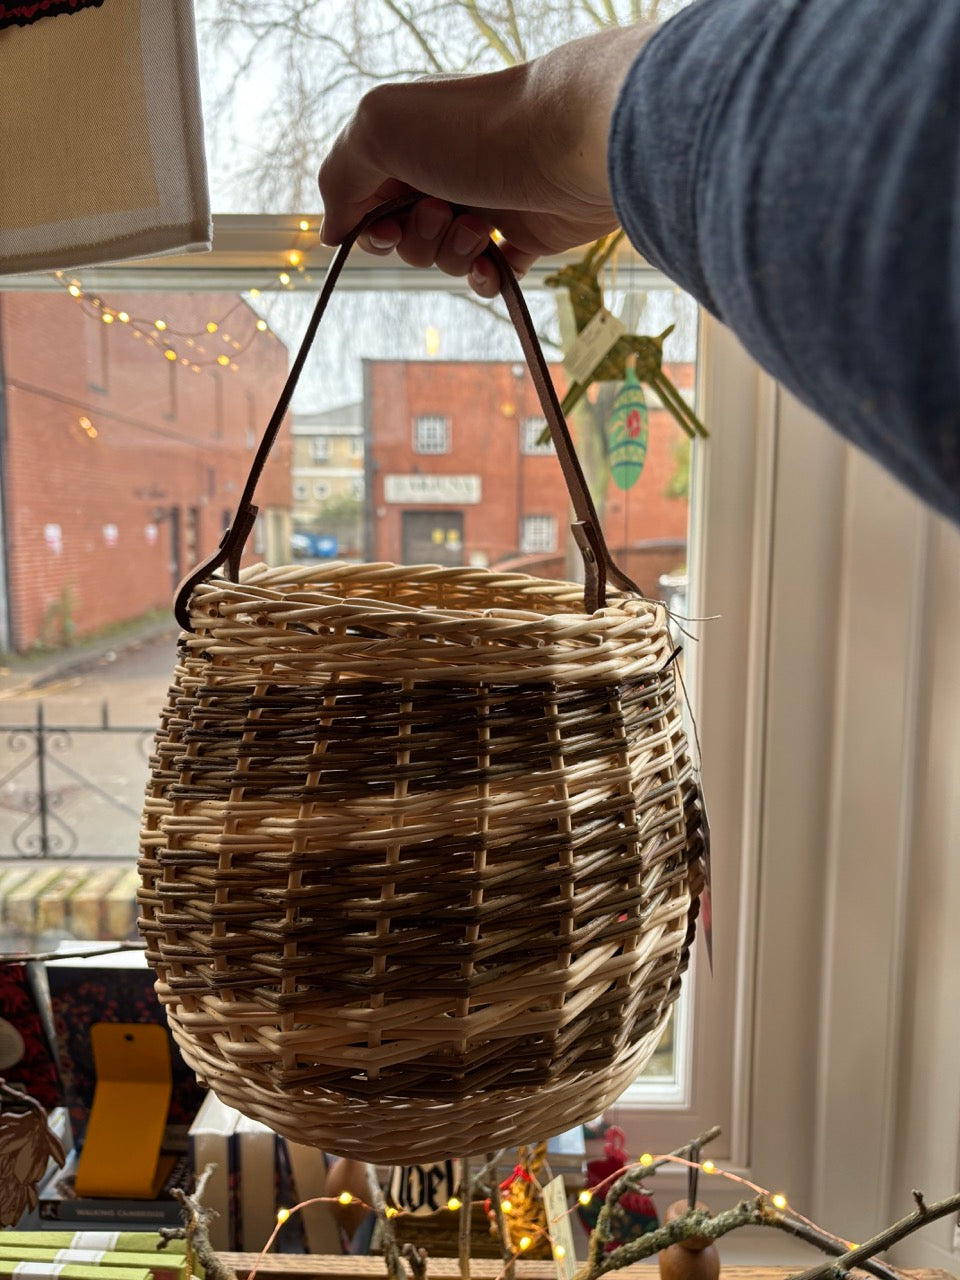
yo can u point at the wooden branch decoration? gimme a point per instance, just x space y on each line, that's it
465 1220
898 1231
196 1221
391 1251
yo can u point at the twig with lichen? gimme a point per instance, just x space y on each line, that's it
388 1237
897 1231
630 1181
196 1220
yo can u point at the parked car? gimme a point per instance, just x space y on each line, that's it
314 546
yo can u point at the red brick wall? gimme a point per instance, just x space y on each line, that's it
485 402
166 437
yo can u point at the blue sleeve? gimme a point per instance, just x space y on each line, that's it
795 165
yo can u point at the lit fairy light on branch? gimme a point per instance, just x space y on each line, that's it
766 1209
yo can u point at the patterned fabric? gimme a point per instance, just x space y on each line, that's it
21 15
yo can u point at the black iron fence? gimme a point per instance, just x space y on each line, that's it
71 790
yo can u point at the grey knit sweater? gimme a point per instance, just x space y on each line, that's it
795 165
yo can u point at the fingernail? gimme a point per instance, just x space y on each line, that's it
466 241
382 242
477 276
430 221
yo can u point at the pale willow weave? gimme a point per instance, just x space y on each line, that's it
421 854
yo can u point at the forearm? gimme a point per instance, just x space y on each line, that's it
792 163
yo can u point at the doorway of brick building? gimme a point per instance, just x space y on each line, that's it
432 537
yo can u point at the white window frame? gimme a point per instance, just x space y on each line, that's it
321 490
828 1038
530 431
319 449
538 535
301 491
428 427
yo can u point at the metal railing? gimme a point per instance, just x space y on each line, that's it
71 786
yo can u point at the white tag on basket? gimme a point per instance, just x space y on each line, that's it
558 1225
594 341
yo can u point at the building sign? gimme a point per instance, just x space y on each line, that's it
428 489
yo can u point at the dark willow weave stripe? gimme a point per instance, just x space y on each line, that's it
421 853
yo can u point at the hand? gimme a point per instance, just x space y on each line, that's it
523 150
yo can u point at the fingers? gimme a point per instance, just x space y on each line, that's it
431 234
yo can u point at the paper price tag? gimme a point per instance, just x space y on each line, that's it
561 1232
595 341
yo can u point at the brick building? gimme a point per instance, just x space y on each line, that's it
125 445
455 474
327 473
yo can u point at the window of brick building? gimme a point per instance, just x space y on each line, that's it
320 449
431 434
531 429
538 533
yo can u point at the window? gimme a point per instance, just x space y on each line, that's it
431 434
321 489
356 448
531 430
538 533
300 490
357 488
319 448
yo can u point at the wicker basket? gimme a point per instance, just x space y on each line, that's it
421 850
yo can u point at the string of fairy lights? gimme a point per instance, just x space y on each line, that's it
213 345
534 1231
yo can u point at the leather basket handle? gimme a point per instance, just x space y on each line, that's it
597 562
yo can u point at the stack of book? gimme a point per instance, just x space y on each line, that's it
256 1174
106 1255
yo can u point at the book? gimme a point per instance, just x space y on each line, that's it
155 1266
257 1180
110 1241
59 1202
213 1141
308 1169
121 906
69 1271
87 914
53 903
115 986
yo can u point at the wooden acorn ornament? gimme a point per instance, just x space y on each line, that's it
348 1177
693 1259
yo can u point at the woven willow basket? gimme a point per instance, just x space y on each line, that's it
422 848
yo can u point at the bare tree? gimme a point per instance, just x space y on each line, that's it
288 72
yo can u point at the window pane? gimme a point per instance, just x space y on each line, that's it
279 83
129 442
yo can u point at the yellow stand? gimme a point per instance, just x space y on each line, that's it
121 1150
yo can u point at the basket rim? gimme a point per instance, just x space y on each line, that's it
314 587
